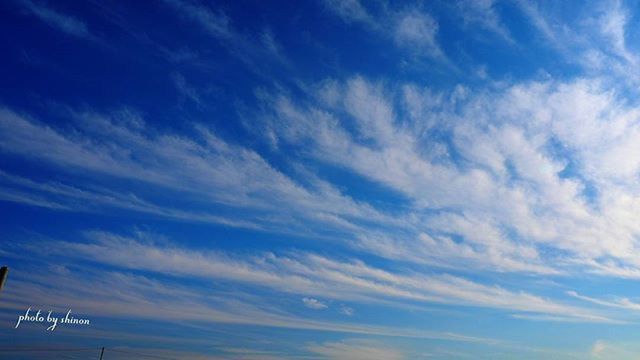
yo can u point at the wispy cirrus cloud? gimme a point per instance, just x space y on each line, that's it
539 20
56 19
312 275
596 40
147 297
211 168
502 159
505 160
452 213
350 11
483 14
621 303
412 29
252 50
613 26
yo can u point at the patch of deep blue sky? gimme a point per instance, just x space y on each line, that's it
135 55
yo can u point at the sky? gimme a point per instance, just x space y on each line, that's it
321 179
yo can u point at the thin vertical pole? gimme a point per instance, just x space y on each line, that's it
102 353
3 276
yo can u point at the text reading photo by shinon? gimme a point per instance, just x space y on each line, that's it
319 179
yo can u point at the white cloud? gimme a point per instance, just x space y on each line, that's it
613 349
418 30
602 349
345 310
598 348
312 303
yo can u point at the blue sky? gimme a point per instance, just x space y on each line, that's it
322 180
